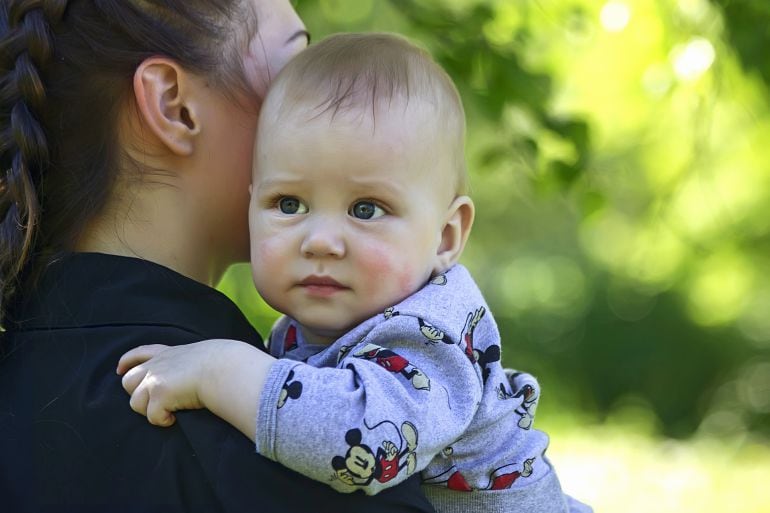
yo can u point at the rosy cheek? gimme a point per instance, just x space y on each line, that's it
269 252
268 264
391 269
408 282
376 259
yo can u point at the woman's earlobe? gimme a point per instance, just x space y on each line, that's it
161 87
455 233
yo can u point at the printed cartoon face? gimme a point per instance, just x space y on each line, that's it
359 463
358 466
346 215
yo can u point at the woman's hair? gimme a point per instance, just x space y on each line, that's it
66 68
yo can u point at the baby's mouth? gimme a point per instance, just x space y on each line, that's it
322 285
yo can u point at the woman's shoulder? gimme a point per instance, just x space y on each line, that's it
89 291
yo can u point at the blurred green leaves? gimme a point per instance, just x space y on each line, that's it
748 32
619 156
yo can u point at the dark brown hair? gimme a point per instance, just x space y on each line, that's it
66 67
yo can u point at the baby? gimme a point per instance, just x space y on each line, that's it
388 357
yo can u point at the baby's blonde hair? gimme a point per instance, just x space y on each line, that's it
361 73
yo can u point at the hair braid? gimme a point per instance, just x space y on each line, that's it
26 48
66 69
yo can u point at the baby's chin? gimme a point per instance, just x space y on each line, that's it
325 327
322 335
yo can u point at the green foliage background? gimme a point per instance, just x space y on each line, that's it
618 163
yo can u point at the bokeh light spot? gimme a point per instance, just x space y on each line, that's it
693 59
719 289
615 16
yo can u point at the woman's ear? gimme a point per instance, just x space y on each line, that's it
162 90
454 234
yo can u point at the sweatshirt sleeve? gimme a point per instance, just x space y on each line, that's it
395 400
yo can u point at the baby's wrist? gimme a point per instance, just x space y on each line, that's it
231 383
216 370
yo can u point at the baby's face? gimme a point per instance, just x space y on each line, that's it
345 217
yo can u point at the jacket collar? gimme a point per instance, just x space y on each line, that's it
80 290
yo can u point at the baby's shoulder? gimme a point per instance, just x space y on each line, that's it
447 308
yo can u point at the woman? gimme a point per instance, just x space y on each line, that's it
127 131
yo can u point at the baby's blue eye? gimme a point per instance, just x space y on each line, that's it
290 205
366 210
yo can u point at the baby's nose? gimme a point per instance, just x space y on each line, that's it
324 239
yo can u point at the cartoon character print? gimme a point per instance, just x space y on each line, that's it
502 393
435 335
526 411
529 396
432 333
440 280
452 478
486 358
395 363
390 312
290 390
471 321
360 465
501 478
290 339
344 350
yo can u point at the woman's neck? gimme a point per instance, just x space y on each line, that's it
155 225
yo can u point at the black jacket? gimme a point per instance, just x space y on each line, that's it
69 441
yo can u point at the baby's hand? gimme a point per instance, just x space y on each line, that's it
162 379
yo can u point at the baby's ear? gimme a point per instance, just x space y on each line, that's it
454 234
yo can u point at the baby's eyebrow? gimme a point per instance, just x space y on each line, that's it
377 183
273 183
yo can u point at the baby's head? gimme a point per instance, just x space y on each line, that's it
359 181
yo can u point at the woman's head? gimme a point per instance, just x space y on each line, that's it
79 83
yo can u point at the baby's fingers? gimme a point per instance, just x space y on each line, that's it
147 398
158 415
138 355
133 378
139 400
147 404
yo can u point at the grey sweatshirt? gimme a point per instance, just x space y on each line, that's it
417 388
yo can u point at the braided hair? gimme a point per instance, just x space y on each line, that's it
23 145
66 67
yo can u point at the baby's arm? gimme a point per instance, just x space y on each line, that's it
224 376
395 400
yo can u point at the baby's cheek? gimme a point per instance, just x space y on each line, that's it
274 247
268 259
393 274
259 259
